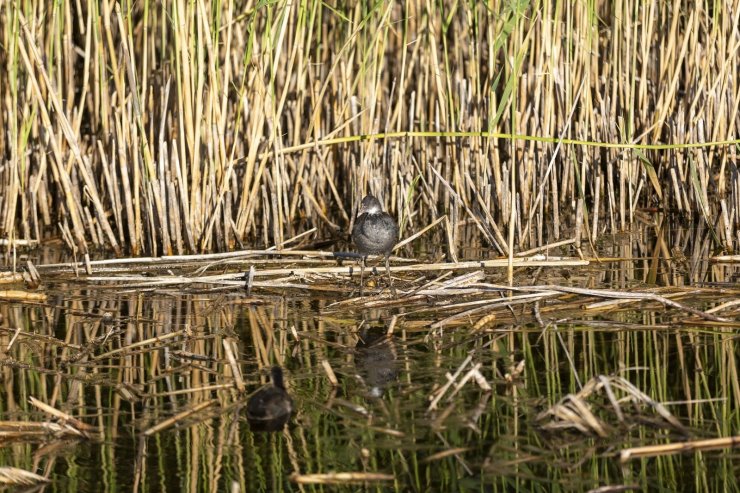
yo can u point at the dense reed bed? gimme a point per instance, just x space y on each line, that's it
186 127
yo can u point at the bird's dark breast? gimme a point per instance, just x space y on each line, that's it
375 233
269 403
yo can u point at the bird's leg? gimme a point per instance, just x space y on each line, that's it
362 274
390 279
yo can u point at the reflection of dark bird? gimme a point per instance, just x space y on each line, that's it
375 232
375 359
271 406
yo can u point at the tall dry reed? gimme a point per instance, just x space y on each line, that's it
173 127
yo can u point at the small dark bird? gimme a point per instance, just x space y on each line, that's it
375 232
271 406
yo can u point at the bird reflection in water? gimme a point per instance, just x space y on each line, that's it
376 360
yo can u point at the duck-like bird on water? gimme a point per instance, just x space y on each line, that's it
375 233
271 406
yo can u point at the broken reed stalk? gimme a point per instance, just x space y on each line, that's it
216 146
13 476
179 417
341 478
679 447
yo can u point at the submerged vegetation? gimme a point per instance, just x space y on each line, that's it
593 143
146 369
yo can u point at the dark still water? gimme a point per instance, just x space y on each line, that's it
457 385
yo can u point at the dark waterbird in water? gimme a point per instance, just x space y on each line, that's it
375 232
271 406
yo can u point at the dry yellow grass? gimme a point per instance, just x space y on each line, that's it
175 127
